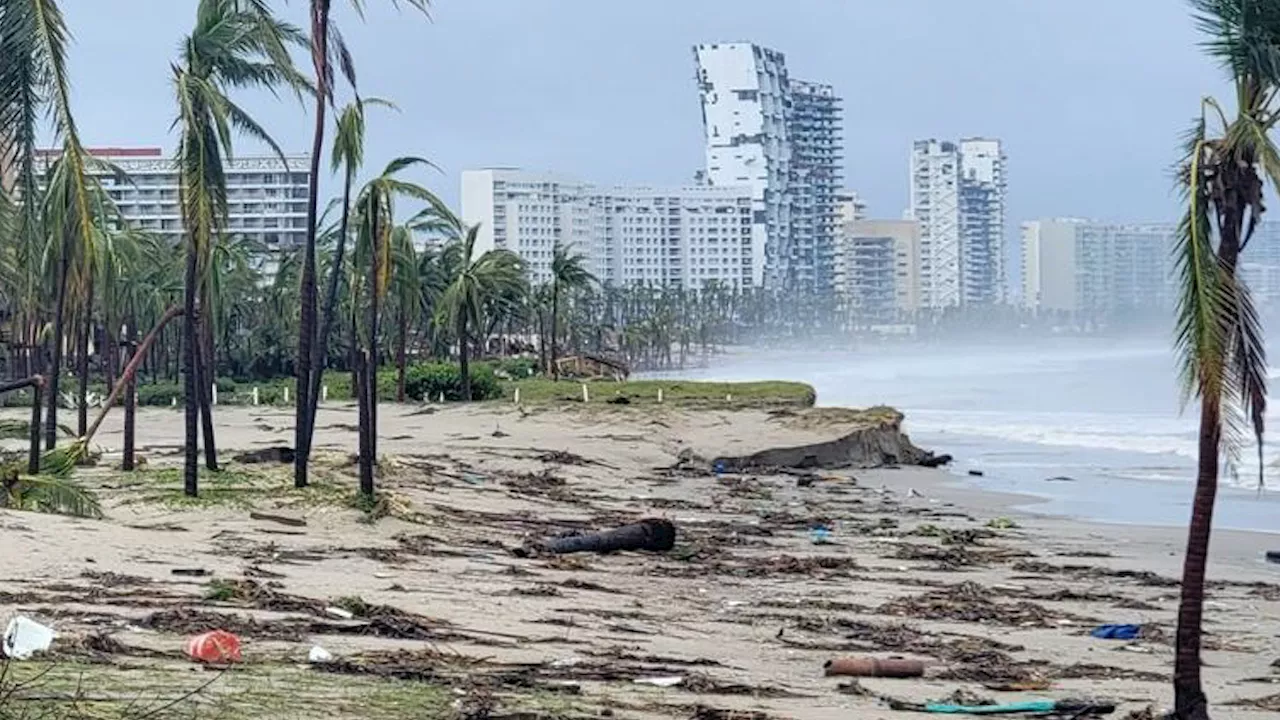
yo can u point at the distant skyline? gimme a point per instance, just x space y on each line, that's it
1089 97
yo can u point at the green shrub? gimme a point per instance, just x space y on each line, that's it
516 368
426 381
163 393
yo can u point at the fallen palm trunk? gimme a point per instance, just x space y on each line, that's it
652 535
138 354
874 667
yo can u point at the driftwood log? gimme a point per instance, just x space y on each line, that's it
651 535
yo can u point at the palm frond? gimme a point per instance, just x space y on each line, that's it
56 494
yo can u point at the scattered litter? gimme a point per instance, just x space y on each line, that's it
340 612
319 655
1273 556
820 535
670 681
1060 478
873 667
1068 708
24 637
1117 632
191 572
976 473
216 647
1002 523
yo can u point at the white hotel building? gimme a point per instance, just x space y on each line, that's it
678 236
266 198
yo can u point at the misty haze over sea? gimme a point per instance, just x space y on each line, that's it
1102 412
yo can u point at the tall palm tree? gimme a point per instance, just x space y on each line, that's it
568 272
235 44
34 81
473 281
323 57
1219 338
375 232
406 295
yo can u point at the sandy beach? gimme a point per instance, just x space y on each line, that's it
735 622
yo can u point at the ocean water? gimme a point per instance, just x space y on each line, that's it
1106 415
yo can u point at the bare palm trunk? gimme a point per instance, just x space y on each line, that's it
33 430
191 378
130 401
307 316
402 322
1189 698
82 364
464 361
365 452
55 369
555 327
206 376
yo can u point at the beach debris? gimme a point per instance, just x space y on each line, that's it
318 654
1060 478
25 637
340 613
215 647
191 572
873 667
1068 708
497 429
935 461
282 454
277 518
971 602
667 681
1122 631
976 473
1002 523
1273 556
650 534
820 535
1267 702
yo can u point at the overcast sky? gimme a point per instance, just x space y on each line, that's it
1089 96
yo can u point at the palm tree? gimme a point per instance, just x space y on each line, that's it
235 43
1219 338
568 272
406 293
309 350
375 232
33 81
473 281
348 156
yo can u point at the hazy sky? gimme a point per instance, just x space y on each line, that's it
1088 95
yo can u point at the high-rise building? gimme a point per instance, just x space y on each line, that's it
780 138
816 154
266 196
877 267
982 217
958 196
682 236
1097 271
935 205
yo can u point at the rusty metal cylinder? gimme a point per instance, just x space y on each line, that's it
874 667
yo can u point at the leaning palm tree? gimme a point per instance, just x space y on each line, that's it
568 272
1219 337
235 43
375 232
327 46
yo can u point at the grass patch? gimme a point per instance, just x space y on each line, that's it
234 487
677 393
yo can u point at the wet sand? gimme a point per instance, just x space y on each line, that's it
744 612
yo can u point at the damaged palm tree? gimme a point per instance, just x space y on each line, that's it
651 535
1219 337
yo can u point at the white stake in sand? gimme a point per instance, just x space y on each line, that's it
517 396
659 396
324 393
585 396
255 394
286 396
214 392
